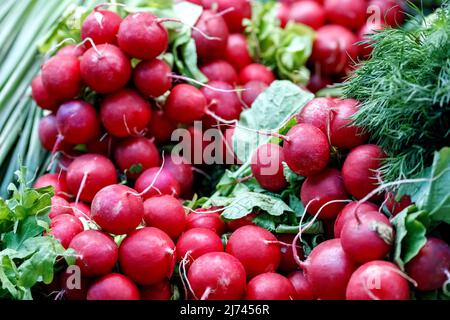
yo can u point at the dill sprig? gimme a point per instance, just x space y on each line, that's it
404 91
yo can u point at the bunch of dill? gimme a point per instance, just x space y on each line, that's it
404 90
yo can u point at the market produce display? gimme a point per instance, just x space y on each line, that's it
226 150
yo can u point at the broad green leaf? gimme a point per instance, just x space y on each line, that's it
265 221
27 228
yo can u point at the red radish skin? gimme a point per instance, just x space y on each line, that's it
147 256
287 261
391 11
256 248
125 113
48 134
160 127
307 151
185 104
283 13
101 26
61 77
117 209
165 213
196 242
256 72
135 155
329 269
113 286
343 135
251 92
237 52
214 26
378 280
74 290
395 207
57 181
64 228
59 206
428 268
233 225
197 143
308 12
270 286
318 112
152 78
182 171
238 10
73 50
142 36
42 96
220 70
348 213
164 183
97 171
318 82
303 288
360 170
367 237
267 167
106 70
105 144
159 291
201 218
217 276
96 253
319 189
81 210
77 122
348 13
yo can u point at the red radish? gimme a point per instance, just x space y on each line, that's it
302 286
77 122
72 50
270 286
125 113
252 90
306 151
48 134
182 171
201 218
324 187
395 207
226 105
152 78
256 72
334 49
105 69
197 2
101 26
196 144
64 228
185 104
236 12
160 127
81 210
196 242
57 181
329 269
117 210
378 280
165 213
348 213
214 45
318 112
104 145
220 70
390 12
88 174
217 276
347 13
237 52
113 286
96 252
343 134
135 155
308 12
368 237
283 13
42 96
74 288
59 206
317 82
361 168
142 36
159 291
147 256
430 267
162 180
267 167
368 28
233 225
61 77
287 261
256 248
